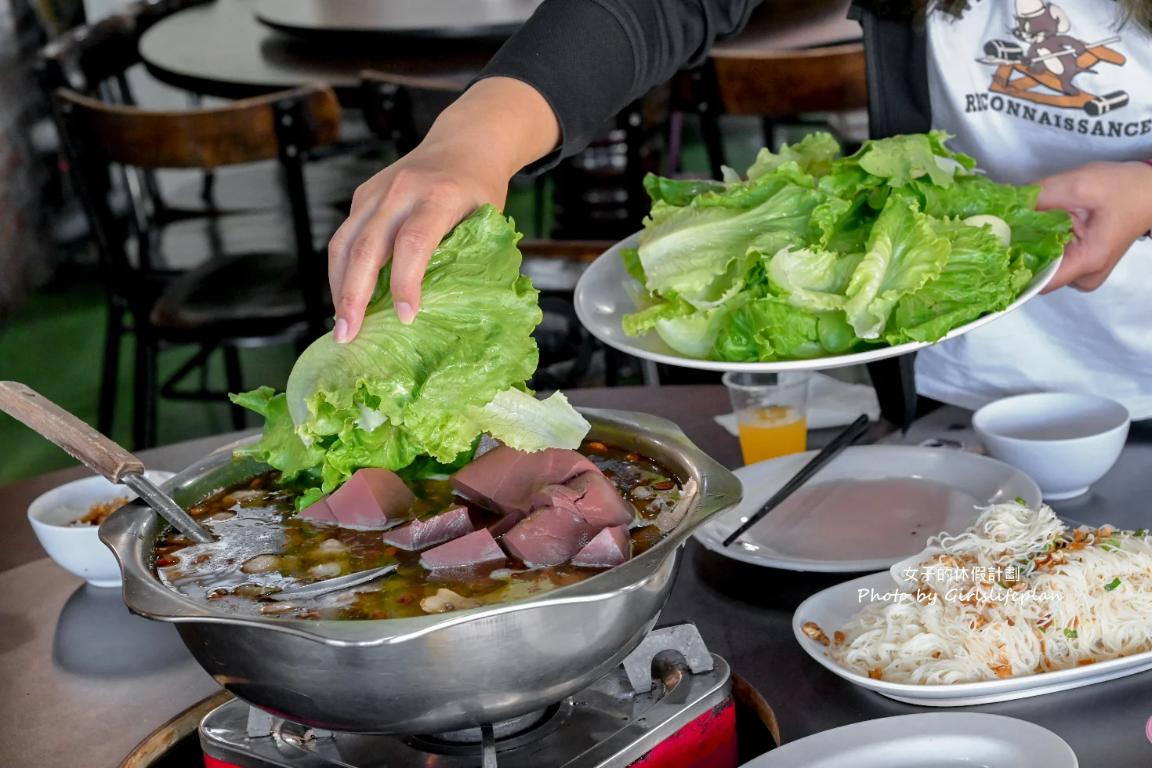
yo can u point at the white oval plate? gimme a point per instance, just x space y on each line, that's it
930 740
833 607
604 295
839 541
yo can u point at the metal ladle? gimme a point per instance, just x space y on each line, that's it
100 454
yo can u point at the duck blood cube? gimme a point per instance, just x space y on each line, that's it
592 496
555 496
443 527
506 523
608 548
318 512
372 499
476 548
549 536
504 479
598 502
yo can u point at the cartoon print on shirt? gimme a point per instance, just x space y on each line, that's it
1046 62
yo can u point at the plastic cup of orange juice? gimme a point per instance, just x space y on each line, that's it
771 412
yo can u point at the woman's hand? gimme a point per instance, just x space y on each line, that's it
402 213
1111 206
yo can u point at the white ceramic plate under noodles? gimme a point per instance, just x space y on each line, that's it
833 607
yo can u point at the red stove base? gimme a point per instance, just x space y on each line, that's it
687 720
709 741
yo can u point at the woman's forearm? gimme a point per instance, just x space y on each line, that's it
506 123
590 58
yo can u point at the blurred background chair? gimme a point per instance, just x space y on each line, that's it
100 60
782 87
229 301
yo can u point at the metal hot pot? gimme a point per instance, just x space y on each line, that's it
432 673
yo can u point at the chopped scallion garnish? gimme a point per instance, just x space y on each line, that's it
1112 584
1070 633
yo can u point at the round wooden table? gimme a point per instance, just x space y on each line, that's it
419 18
221 49
84 681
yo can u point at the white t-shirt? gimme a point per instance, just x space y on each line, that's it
1021 128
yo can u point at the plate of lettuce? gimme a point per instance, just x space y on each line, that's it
813 259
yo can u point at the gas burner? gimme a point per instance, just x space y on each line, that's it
668 705
507 734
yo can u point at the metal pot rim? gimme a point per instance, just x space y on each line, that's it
130 531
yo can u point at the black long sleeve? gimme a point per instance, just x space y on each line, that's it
590 58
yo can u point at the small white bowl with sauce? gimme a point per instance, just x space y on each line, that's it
1064 441
77 547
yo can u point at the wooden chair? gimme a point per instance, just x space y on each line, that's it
230 301
95 60
776 85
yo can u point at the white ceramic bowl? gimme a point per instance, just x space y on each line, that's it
1064 441
78 549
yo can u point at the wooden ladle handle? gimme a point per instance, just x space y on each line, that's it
99 453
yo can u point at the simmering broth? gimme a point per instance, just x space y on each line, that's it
261 547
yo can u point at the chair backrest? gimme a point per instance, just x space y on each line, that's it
94 59
88 56
390 110
284 126
246 131
780 83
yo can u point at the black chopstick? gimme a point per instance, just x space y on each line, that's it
850 435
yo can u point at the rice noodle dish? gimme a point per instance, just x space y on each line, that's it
1018 593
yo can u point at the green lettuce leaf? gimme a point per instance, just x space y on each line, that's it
901 159
687 330
814 154
896 162
525 423
812 278
904 253
1038 237
632 264
279 445
678 191
645 320
975 280
399 393
701 251
769 329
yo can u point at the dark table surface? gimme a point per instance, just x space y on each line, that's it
84 681
441 18
221 49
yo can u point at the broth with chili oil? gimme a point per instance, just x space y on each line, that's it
262 547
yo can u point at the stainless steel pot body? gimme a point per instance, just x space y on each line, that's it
433 673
